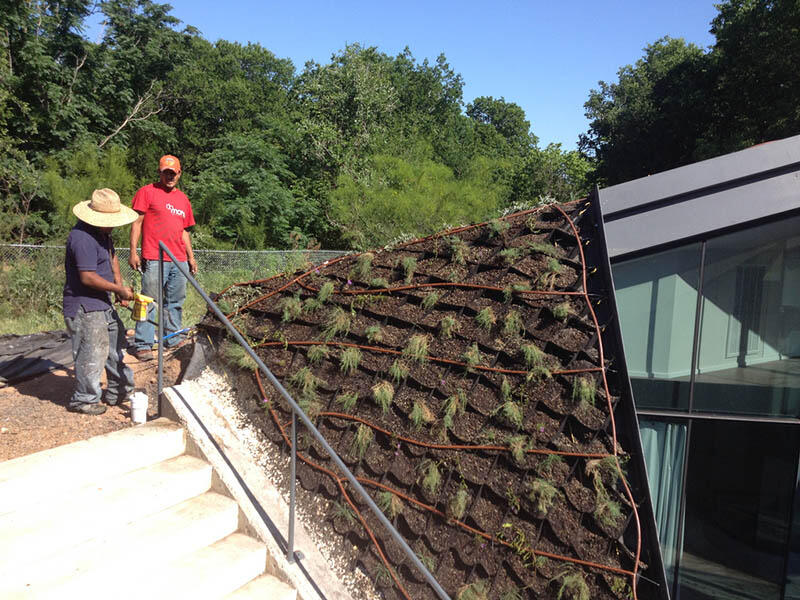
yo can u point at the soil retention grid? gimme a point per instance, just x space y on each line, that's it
474 383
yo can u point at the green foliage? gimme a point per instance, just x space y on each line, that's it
562 310
421 415
343 512
431 477
430 300
409 264
235 354
291 307
383 394
512 413
457 504
447 326
545 248
505 389
573 587
325 291
305 383
417 348
364 265
548 464
347 401
379 283
337 322
478 590
607 511
472 356
458 250
454 405
584 390
362 439
512 324
486 318
398 370
373 334
498 228
349 360
518 445
390 503
510 255
316 354
551 173
542 494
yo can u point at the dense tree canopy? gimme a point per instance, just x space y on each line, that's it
355 152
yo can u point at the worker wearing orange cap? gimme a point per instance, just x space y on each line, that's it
165 214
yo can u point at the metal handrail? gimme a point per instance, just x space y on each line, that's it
296 412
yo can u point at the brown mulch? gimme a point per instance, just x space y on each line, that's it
34 416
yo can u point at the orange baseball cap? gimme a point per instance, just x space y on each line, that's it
169 162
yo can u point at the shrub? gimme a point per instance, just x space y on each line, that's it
430 300
409 264
417 348
383 394
373 334
421 414
291 307
317 354
398 371
512 324
338 321
542 494
349 360
447 326
347 401
362 439
485 318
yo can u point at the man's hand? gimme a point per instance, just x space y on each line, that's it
125 293
192 265
134 261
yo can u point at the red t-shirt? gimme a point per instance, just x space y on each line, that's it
166 215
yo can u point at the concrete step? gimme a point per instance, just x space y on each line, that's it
30 479
264 587
210 573
99 562
61 520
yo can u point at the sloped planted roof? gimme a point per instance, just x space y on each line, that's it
463 378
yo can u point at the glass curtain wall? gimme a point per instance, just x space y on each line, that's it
702 379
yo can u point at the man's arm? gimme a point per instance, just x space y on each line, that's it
136 231
93 280
189 252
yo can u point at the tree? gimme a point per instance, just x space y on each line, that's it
504 119
550 173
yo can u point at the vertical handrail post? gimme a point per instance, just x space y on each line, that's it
160 326
292 485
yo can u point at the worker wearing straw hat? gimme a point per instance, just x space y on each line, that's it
92 275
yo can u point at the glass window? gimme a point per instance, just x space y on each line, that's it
657 302
664 447
749 352
739 491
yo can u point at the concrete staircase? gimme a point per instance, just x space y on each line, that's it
125 515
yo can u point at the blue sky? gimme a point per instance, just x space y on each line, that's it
543 55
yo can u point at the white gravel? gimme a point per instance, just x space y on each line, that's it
215 386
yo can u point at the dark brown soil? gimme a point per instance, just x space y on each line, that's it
472 514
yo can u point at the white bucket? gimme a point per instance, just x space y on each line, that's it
139 407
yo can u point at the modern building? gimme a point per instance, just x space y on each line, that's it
706 266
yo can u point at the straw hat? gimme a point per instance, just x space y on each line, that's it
104 210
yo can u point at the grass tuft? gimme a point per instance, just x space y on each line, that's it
454 405
390 503
430 300
409 264
316 354
349 360
431 477
362 440
512 325
472 356
305 383
542 494
417 348
498 227
584 390
512 413
373 334
543 248
518 445
325 292
458 250
421 415
363 265
478 590
383 394
347 401
338 321
291 307
379 283
573 587
510 255
398 371
457 505
447 326
485 318
562 311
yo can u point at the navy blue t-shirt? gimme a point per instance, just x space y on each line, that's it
88 249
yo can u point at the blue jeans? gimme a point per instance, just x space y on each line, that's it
174 295
98 338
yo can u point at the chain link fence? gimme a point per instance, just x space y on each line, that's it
248 264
